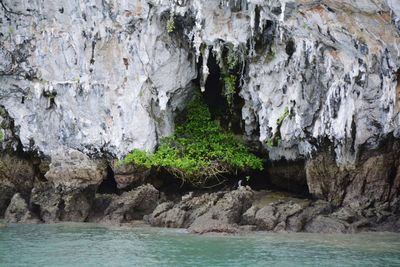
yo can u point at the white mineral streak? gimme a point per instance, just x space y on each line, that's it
118 76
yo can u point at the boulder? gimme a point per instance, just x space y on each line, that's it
226 214
132 205
129 176
183 213
265 218
325 224
56 205
18 212
71 169
209 224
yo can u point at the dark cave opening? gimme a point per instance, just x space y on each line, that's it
230 118
281 175
290 48
213 94
108 185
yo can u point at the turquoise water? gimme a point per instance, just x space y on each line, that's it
94 245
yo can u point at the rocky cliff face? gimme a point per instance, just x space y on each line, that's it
319 82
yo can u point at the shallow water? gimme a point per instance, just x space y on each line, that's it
95 245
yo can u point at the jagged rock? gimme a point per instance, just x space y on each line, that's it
129 176
226 214
48 200
373 179
132 205
100 203
18 211
249 217
324 224
183 213
265 218
207 224
16 175
298 222
208 212
71 169
58 205
69 193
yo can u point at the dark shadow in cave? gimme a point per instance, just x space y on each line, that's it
230 119
108 185
213 95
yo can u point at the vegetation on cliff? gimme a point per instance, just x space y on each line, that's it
200 152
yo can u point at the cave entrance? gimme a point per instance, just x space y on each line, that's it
213 94
230 118
108 185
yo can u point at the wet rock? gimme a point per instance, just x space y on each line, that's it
208 224
226 214
69 192
249 217
18 211
48 200
57 205
373 179
265 218
132 205
100 203
207 212
310 210
183 213
324 224
166 215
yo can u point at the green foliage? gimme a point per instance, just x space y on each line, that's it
232 59
200 152
230 88
282 117
1 135
170 24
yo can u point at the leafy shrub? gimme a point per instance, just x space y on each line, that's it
230 88
200 152
170 24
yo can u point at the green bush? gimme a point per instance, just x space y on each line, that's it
170 24
229 89
200 152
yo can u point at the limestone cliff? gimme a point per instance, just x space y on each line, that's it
319 82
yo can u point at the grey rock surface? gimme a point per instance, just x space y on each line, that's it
18 211
131 205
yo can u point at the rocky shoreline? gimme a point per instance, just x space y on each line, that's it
234 211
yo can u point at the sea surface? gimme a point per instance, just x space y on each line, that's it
96 245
